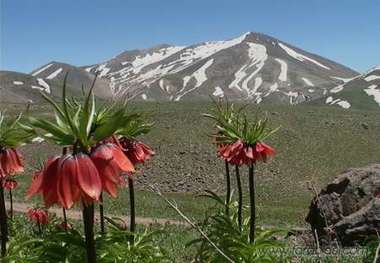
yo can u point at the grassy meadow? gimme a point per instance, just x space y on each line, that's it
313 144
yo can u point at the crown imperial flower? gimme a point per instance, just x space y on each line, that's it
10 184
10 162
241 154
136 151
38 216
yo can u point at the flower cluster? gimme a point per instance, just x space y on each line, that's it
239 140
67 179
239 153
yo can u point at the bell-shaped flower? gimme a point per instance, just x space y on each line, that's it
136 151
110 161
10 184
10 162
66 180
38 216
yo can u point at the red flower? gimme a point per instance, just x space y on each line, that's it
65 180
10 162
70 178
38 216
240 153
10 184
110 161
136 151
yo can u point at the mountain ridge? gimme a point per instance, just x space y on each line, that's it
251 67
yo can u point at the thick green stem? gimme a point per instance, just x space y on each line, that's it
3 221
252 219
88 221
132 207
101 214
228 186
240 197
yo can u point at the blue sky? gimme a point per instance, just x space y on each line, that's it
82 32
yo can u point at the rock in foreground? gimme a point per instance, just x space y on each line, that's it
348 209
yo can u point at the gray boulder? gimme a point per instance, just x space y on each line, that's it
347 210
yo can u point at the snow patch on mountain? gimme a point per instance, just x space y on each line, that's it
300 57
257 56
284 70
43 84
37 87
337 89
200 77
41 70
308 82
102 70
373 91
218 92
371 77
54 74
342 79
142 61
18 83
342 103
207 49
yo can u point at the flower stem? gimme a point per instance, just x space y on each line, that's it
11 203
252 219
64 218
101 213
88 220
39 227
228 186
64 151
240 197
3 221
132 203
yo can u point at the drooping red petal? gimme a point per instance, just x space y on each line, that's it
122 161
35 186
68 191
110 188
50 181
88 177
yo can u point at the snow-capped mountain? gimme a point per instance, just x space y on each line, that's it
362 91
253 67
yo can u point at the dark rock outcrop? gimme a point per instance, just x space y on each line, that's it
348 209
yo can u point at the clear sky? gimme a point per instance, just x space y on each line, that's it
82 32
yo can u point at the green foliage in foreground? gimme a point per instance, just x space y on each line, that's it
58 245
166 244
